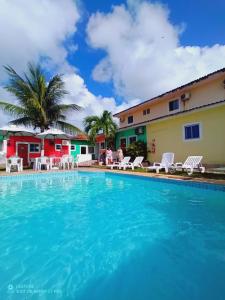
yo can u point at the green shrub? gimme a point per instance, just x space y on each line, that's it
138 148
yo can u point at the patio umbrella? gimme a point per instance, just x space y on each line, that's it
52 133
8 130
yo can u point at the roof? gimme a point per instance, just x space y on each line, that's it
175 90
80 137
100 138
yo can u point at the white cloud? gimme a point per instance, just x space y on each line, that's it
33 29
143 52
91 104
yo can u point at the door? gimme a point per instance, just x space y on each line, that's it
83 149
22 152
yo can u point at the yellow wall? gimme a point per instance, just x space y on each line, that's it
201 94
168 135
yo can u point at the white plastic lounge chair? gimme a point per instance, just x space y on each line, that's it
14 161
121 164
137 163
166 162
191 164
43 161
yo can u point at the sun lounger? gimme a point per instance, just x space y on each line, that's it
121 164
166 162
191 164
137 163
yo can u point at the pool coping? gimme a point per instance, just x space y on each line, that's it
178 178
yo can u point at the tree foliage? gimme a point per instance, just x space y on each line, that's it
39 102
138 148
100 124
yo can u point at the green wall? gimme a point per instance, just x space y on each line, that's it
1 138
130 132
78 144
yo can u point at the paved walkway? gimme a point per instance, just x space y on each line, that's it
145 174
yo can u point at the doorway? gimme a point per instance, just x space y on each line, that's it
22 152
83 149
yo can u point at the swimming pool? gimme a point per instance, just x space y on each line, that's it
85 235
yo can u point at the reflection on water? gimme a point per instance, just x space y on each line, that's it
96 236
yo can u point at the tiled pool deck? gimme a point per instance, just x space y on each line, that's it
136 173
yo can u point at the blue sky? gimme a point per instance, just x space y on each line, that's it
113 54
203 21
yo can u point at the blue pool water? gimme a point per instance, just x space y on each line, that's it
96 236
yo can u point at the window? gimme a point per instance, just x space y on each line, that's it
132 139
192 132
58 147
83 149
130 119
102 145
34 148
91 149
123 142
1 146
73 147
174 105
146 111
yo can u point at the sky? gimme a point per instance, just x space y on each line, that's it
112 54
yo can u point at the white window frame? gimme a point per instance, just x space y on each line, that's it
192 124
86 149
35 144
58 145
73 145
175 110
122 138
131 136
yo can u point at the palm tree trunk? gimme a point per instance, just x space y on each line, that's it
42 141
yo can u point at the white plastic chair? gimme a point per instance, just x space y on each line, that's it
121 164
14 161
191 164
43 161
67 161
166 162
137 163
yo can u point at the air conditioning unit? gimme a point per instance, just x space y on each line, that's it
122 119
185 96
65 142
139 130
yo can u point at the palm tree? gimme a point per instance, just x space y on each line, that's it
39 102
105 124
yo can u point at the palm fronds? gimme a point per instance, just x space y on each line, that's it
39 102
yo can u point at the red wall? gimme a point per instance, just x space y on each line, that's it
49 146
